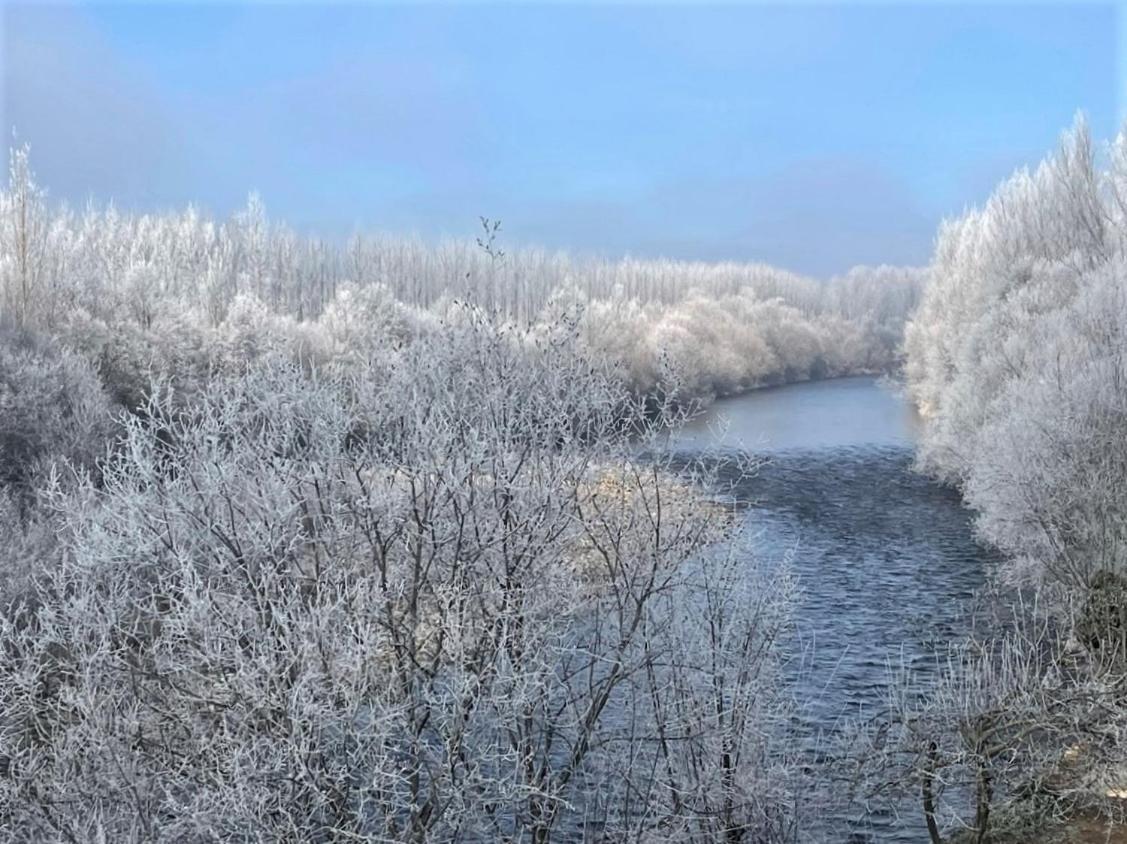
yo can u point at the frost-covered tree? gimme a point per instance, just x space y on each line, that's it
53 411
1016 360
24 240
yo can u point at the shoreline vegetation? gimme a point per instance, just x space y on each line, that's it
1016 358
182 295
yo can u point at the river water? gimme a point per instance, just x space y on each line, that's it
886 560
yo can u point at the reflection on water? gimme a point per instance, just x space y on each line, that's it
886 559
846 412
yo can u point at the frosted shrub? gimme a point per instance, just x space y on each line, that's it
52 409
365 321
1017 734
447 601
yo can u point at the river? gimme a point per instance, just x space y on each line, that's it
886 560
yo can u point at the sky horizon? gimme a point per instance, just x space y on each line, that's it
811 137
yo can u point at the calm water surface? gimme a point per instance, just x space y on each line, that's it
886 559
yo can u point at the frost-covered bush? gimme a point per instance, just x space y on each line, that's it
52 410
1101 625
719 345
444 600
28 538
368 325
1014 737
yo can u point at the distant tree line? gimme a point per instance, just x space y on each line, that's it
174 288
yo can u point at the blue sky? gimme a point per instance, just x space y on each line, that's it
810 136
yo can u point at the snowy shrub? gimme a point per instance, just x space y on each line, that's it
444 602
52 409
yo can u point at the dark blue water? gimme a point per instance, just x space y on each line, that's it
886 560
